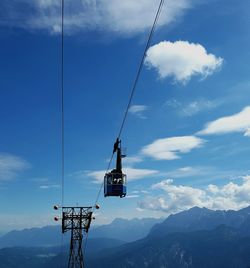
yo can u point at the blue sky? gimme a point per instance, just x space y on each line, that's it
187 132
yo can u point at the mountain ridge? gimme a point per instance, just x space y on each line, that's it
197 218
204 248
194 238
50 236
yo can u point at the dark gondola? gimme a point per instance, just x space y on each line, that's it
115 182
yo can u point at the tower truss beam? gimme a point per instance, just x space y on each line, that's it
77 220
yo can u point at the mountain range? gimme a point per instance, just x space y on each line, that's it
217 248
203 219
195 238
125 230
50 236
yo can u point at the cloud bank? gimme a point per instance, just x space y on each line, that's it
171 148
181 60
11 165
239 122
194 107
178 197
138 110
126 17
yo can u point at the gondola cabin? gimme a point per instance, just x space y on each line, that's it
115 182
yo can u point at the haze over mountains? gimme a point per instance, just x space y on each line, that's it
221 247
198 237
197 218
126 230
195 238
119 229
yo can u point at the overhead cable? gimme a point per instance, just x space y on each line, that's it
135 84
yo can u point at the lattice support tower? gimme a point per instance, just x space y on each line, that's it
77 220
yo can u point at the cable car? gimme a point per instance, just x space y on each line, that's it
115 182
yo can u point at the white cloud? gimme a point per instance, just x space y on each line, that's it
132 174
138 110
178 197
197 106
132 196
239 122
170 148
193 107
186 169
51 186
135 16
111 15
207 173
131 160
247 133
188 172
213 188
11 165
181 60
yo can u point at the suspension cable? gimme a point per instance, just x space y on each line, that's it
134 85
140 66
62 102
130 100
100 189
126 110
62 118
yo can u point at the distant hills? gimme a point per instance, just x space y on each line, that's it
50 236
195 238
34 237
203 219
218 248
50 257
126 230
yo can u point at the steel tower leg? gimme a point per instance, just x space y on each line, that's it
77 220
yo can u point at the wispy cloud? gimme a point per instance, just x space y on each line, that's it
138 192
193 107
239 122
181 60
11 166
131 160
132 173
172 148
179 197
132 196
49 186
138 110
188 171
202 175
126 17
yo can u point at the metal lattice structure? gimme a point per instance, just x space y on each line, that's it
77 220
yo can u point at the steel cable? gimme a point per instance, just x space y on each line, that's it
134 85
